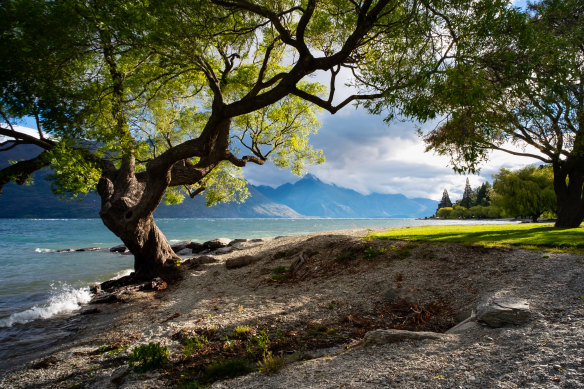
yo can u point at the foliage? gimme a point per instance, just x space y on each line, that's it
241 331
467 199
445 201
527 192
271 364
150 356
280 273
537 235
194 344
192 385
372 252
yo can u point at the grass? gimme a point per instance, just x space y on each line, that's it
535 236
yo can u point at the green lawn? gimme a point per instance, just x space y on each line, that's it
542 236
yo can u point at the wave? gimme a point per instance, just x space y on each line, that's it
63 299
122 273
39 250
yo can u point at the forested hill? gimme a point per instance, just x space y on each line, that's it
307 197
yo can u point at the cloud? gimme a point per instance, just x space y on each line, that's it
368 155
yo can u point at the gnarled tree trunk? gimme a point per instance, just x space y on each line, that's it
568 185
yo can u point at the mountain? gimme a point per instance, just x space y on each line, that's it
308 196
37 200
312 197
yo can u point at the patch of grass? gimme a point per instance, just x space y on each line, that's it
229 368
319 330
192 385
280 273
241 332
372 252
193 344
271 364
500 235
112 349
258 344
150 356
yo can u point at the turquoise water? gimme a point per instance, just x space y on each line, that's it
37 284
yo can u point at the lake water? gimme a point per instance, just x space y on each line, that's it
39 285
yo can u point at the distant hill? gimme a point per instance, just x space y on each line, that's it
312 197
307 197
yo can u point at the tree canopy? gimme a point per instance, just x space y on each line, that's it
517 85
151 99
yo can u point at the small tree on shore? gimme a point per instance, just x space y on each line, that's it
467 200
445 202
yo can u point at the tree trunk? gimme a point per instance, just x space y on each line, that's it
568 185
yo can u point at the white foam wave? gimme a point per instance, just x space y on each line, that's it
63 299
123 273
39 250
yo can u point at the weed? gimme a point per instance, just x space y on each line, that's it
258 345
331 305
229 368
228 344
411 246
150 356
372 252
193 344
545 256
241 332
271 364
428 254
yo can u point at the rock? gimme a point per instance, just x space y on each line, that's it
389 336
78 250
119 249
223 250
234 263
106 298
181 246
196 262
216 243
465 325
498 312
234 241
184 252
196 247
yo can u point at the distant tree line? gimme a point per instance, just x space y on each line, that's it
524 193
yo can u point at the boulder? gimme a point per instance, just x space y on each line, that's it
184 252
216 243
390 336
180 246
119 249
234 263
502 311
223 250
196 247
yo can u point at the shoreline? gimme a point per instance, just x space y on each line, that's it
329 292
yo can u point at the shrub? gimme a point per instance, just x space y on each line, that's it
148 357
270 364
372 252
193 344
241 331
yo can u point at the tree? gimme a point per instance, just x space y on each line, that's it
528 192
445 202
467 200
483 195
518 88
148 101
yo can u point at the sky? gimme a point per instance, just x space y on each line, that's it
368 155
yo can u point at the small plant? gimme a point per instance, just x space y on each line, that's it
148 357
331 305
280 273
258 345
271 364
319 330
241 332
228 344
193 344
112 349
372 252
545 256
229 368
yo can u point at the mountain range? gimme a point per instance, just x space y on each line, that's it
308 197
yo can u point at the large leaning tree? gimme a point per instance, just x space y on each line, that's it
152 100
518 88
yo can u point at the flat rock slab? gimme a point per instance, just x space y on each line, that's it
217 243
390 336
503 311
